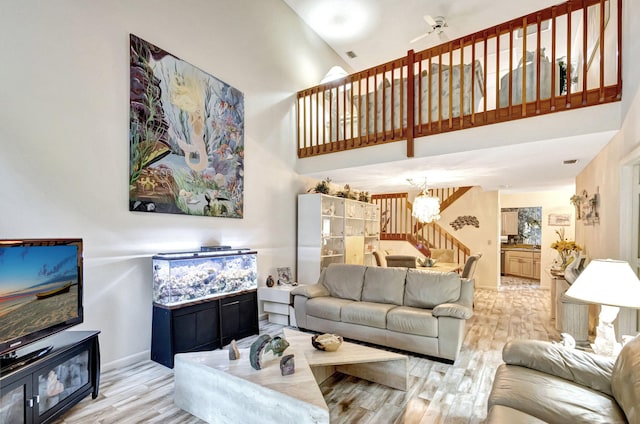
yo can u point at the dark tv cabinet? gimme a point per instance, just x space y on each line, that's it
202 325
43 389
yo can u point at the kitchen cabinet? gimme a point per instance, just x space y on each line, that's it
509 223
522 263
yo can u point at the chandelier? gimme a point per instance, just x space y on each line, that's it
425 208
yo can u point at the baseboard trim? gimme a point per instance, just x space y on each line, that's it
145 355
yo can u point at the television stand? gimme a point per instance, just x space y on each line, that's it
12 361
45 379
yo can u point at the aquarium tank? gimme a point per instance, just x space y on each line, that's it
190 276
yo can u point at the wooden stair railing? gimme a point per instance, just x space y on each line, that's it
398 224
456 86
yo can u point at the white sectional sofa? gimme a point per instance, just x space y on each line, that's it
410 309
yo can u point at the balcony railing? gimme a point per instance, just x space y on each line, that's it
564 57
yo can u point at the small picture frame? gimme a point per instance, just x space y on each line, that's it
560 219
284 275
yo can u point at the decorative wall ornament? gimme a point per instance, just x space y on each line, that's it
590 207
186 137
461 221
559 219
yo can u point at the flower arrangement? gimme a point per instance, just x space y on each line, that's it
564 247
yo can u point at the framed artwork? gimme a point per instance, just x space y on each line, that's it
284 275
560 219
186 137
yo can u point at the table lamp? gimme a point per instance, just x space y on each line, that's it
612 284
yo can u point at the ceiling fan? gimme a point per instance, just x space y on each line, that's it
436 25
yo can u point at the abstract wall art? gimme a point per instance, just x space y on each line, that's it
186 137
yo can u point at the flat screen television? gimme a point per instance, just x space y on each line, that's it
40 290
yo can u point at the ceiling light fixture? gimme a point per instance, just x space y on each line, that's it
425 208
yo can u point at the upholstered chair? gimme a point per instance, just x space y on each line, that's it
470 266
442 255
405 261
380 260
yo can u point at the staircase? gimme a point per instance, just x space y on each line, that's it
398 224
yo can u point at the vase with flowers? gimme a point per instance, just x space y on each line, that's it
565 248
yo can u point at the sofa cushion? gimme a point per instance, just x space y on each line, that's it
506 415
426 289
344 281
384 285
405 319
326 307
552 399
593 371
366 313
625 379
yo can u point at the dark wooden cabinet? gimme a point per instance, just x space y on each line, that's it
202 325
238 317
43 389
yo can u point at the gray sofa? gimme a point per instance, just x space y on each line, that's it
409 309
541 382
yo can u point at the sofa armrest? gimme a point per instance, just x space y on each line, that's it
581 367
453 310
310 291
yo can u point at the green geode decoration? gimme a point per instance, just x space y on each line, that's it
277 345
255 354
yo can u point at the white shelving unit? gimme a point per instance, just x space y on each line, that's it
334 230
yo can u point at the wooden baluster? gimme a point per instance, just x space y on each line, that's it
429 93
473 80
524 67
498 105
619 85
484 76
601 40
440 91
539 51
585 59
554 66
568 101
461 84
450 85
410 100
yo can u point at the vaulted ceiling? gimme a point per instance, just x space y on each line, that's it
377 31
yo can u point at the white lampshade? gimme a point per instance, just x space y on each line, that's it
607 282
426 208
334 73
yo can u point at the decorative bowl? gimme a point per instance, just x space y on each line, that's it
326 342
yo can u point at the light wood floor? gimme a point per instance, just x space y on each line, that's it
438 392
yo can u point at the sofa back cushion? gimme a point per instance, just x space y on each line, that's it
384 285
625 380
344 281
426 289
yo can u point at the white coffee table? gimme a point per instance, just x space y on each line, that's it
217 390
379 366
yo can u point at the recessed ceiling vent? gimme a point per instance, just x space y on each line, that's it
570 161
351 54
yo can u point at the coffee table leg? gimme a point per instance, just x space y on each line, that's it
389 373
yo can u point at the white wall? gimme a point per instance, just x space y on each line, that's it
484 206
556 202
64 119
